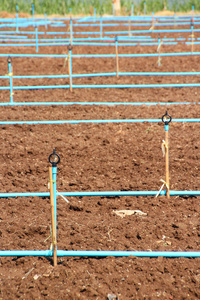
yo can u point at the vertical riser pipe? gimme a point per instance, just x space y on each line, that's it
71 31
167 159
36 38
54 172
10 79
101 28
70 67
17 9
117 57
132 10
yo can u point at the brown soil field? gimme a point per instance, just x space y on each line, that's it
100 157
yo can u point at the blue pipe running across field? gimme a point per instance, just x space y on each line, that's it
96 103
103 194
94 121
87 253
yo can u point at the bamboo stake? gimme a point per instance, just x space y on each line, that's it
159 51
54 241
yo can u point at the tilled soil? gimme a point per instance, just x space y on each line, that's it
100 157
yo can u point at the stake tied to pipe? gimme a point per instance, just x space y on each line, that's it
54 159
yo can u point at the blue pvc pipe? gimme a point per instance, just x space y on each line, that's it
70 65
132 10
87 253
38 87
97 103
12 195
102 194
101 28
95 121
103 55
26 253
17 9
162 85
154 31
36 38
147 24
54 172
10 80
46 24
62 253
33 10
71 30
105 74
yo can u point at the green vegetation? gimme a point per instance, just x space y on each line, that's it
102 6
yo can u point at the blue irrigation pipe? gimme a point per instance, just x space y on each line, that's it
58 25
70 67
101 28
105 74
96 39
8 253
97 103
95 121
54 172
102 55
185 23
33 10
71 30
17 10
163 85
88 253
36 38
103 194
154 31
88 44
100 86
21 24
95 12
10 75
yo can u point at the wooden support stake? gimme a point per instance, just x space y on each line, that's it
159 51
167 162
54 241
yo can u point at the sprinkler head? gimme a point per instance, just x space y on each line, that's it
116 39
70 47
54 158
166 118
9 59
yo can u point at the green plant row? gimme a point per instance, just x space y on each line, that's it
101 7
